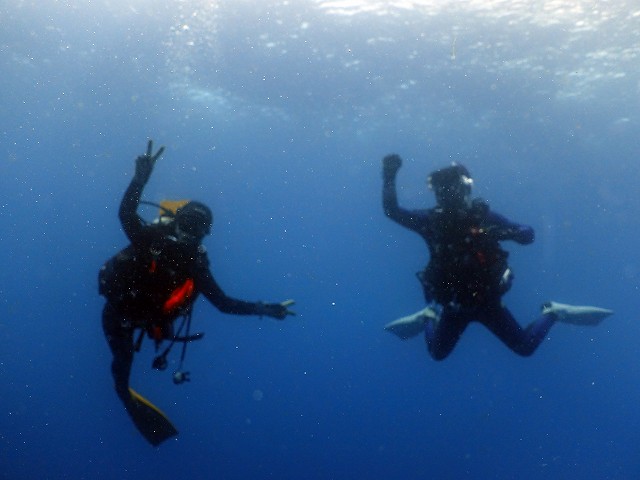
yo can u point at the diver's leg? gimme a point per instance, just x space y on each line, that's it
443 334
523 341
120 339
146 417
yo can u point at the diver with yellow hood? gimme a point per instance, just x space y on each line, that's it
155 281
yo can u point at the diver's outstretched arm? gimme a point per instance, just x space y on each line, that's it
131 221
411 219
146 162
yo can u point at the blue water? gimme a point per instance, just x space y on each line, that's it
277 115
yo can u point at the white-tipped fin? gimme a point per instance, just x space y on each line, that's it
576 314
411 325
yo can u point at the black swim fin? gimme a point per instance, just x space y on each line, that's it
149 420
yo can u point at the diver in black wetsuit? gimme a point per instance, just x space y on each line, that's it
155 280
468 272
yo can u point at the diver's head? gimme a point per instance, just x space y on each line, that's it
193 221
451 186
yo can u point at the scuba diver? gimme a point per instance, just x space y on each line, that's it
153 282
468 273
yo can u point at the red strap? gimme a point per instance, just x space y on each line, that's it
156 332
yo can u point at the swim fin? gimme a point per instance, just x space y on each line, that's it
575 314
411 325
149 420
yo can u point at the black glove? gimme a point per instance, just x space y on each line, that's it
522 235
275 310
145 164
390 165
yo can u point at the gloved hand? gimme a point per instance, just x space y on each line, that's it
522 235
275 310
525 236
145 164
390 165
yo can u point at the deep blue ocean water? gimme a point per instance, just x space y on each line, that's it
277 115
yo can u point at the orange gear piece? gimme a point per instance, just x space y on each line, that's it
179 296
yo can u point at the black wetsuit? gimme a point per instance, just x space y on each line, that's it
467 272
172 262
